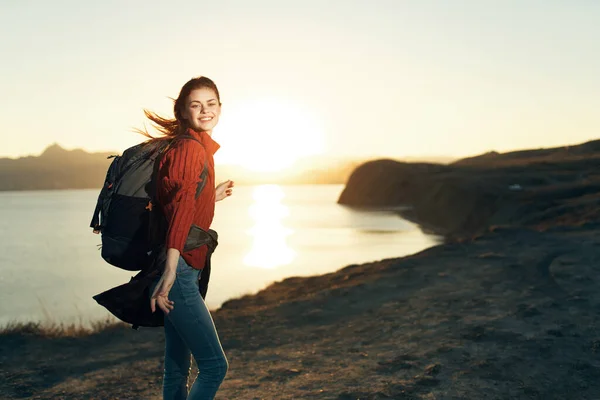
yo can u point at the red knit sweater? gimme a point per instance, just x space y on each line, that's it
178 176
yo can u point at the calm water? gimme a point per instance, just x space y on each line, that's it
50 266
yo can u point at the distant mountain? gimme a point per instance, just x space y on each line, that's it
57 168
312 170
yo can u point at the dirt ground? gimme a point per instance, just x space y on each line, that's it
512 315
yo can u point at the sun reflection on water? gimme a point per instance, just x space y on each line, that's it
269 247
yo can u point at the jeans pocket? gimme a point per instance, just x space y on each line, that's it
182 266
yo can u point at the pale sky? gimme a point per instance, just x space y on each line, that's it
346 78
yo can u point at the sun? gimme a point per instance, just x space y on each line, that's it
267 135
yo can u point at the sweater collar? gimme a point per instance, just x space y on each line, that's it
208 142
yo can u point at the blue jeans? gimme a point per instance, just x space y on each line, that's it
190 330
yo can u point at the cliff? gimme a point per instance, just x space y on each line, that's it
535 188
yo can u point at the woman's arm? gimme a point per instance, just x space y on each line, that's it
160 296
178 181
172 259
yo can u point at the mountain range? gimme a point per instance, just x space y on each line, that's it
57 168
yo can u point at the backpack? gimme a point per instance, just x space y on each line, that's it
127 214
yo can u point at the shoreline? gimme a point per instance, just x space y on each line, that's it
506 308
481 319
74 326
341 226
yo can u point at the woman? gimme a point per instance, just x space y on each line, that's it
189 328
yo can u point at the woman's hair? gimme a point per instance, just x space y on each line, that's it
175 126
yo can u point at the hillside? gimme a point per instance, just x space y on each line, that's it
55 168
534 188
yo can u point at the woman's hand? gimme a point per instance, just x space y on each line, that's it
223 190
160 296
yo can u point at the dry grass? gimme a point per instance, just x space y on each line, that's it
52 329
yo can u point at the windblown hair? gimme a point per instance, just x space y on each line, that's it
170 127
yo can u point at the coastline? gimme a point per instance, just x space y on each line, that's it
485 319
506 308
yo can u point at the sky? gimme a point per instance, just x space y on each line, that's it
337 78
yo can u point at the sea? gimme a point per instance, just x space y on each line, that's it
50 263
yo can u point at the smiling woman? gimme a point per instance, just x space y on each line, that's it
268 135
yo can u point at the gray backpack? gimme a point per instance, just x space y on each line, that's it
127 213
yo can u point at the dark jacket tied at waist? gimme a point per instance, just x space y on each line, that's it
130 302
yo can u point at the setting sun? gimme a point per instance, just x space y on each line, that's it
266 135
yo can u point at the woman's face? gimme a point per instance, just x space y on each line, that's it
202 110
